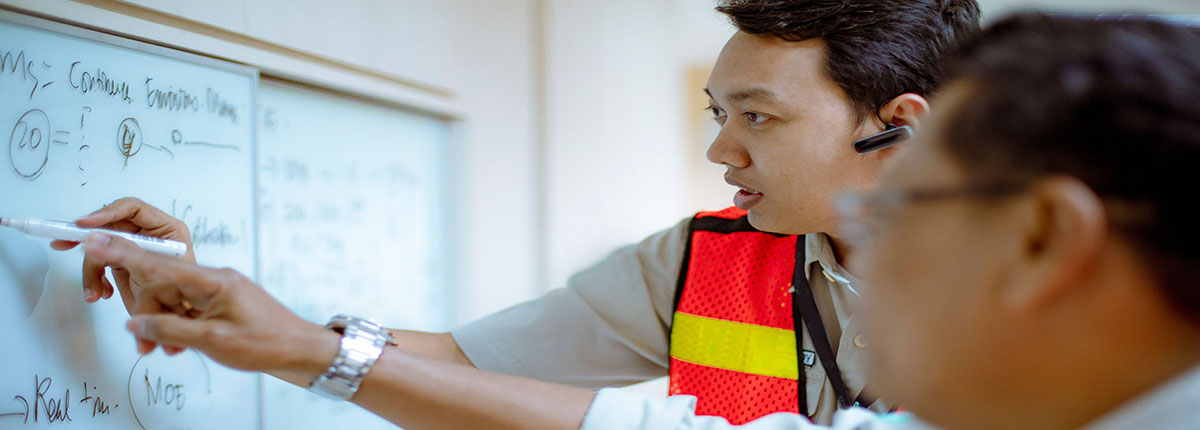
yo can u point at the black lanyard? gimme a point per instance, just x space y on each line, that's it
804 308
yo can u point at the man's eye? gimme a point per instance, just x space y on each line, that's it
756 118
717 114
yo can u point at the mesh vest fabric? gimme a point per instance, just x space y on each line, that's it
732 338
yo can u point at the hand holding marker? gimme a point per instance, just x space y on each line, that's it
66 231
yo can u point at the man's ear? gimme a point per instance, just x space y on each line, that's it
905 109
1061 242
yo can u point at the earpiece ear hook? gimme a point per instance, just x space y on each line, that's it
891 136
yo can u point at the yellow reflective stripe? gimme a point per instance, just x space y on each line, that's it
736 346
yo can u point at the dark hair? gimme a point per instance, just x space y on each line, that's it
1111 100
877 49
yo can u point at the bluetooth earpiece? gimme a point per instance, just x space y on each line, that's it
891 136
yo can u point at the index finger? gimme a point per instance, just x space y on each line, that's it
154 271
62 245
122 225
126 213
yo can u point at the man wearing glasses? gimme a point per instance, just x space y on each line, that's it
1033 260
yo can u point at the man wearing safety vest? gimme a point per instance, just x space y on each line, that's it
717 301
747 308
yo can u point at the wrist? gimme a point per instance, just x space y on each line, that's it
307 355
362 343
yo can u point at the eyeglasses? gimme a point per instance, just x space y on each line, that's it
861 213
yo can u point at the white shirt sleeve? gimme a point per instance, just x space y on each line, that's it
616 409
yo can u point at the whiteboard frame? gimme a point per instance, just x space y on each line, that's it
129 21
10 17
22 19
27 20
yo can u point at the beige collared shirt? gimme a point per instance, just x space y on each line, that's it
611 325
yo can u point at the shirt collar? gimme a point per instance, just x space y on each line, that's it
1171 405
817 249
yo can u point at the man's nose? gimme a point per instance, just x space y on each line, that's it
726 149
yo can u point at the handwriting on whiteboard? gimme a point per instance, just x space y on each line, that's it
43 402
36 137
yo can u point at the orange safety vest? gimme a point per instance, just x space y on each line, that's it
733 334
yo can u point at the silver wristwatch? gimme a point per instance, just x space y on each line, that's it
362 343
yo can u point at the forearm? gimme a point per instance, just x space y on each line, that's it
438 346
417 392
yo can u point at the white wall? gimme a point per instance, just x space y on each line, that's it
618 162
406 38
498 203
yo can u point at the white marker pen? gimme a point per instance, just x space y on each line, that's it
71 232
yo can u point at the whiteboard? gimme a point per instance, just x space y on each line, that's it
89 118
352 210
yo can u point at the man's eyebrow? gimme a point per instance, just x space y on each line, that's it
750 93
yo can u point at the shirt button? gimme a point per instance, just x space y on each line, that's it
860 341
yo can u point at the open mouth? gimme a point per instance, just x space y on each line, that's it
746 198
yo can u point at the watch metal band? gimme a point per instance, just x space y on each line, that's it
361 345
